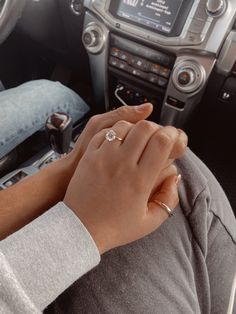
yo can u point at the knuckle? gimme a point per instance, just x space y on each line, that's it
163 138
123 123
146 125
94 121
183 137
182 148
171 130
122 111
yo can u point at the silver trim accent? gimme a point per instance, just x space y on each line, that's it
99 64
227 57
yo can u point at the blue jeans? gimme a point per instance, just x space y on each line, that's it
24 110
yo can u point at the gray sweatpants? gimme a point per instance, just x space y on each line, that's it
186 266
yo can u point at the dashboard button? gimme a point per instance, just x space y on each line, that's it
139 73
162 82
164 72
201 13
113 61
226 96
115 52
124 56
153 78
140 63
122 65
173 102
155 68
196 26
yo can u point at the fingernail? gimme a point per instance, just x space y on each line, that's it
178 179
143 107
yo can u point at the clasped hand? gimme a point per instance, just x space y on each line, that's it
116 184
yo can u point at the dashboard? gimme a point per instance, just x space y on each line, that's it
163 17
161 51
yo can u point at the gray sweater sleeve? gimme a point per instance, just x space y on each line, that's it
40 261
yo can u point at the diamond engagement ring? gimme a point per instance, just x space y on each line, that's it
165 207
111 136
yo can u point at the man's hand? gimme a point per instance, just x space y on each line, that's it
112 190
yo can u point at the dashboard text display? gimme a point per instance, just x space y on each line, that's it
158 15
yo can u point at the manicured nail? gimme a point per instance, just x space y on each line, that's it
178 179
143 107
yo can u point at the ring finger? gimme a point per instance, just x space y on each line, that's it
111 137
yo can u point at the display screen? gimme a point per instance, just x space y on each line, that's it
158 15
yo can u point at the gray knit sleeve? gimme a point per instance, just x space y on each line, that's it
40 261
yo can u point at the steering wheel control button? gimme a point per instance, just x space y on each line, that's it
215 8
93 38
188 76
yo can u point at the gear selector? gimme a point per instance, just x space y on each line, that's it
59 130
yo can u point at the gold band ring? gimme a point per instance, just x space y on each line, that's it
165 207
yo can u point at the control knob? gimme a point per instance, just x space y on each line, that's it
216 7
77 6
93 38
188 76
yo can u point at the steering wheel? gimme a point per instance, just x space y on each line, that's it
10 12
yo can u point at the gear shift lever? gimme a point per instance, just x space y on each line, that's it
59 130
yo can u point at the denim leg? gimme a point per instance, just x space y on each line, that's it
24 110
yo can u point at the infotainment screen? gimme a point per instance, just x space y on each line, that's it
159 15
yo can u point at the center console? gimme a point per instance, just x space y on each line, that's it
162 51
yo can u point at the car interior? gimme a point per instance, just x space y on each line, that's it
179 55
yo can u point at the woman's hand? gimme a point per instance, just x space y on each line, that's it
132 114
112 188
